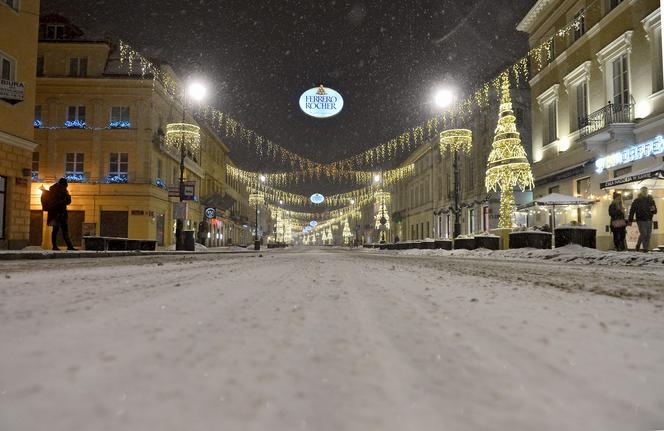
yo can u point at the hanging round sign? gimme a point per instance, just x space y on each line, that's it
313 223
307 229
321 102
317 198
210 212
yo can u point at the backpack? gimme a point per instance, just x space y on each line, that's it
47 200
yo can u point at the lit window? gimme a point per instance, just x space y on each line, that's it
620 81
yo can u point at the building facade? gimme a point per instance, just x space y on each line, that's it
18 56
598 105
106 131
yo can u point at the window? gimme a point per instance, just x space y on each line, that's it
582 190
74 164
581 28
612 4
119 164
554 189
471 220
7 68
159 168
551 132
657 75
75 116
40 65
78 66
12 4
76 113
35 165
119 118
55 32
620 81
581 104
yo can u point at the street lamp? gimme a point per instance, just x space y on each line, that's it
189 138
444 97
456 140
257 198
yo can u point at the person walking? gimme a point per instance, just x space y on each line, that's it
618 222
57 213
644 209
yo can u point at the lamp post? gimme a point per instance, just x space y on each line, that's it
188 133
456 140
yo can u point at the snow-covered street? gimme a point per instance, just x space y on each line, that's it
329 340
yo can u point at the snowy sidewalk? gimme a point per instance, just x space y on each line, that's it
35 253
571 254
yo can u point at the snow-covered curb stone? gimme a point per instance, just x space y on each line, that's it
568 254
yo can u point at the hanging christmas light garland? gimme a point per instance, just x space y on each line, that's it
538 57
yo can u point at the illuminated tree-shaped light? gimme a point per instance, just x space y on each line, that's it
382 215
508 165
456 140
178 134
347 234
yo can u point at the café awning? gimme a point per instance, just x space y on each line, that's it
556 199
652 177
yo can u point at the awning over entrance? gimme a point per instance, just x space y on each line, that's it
653 178
556 199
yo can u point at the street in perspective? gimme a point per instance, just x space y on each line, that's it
347 215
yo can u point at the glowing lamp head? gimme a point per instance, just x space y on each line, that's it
352 201
444 98
196 91
376 178
263 178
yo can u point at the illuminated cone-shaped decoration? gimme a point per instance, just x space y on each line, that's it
382 214
347 234
508 165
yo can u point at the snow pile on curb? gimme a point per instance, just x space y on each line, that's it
568 254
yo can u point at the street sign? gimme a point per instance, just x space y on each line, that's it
180 210
189 191
210 212
173 192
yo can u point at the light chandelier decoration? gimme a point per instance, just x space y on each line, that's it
178 134
508 165
256 199
456 140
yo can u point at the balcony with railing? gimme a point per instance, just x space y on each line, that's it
602 119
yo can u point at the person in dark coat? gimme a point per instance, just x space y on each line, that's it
58 216
644 209
618 222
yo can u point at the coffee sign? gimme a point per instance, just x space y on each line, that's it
321 102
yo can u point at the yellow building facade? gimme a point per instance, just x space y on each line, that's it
18 53
105 131
598 105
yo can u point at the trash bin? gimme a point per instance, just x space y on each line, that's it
189 242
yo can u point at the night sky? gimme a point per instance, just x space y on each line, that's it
386 58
